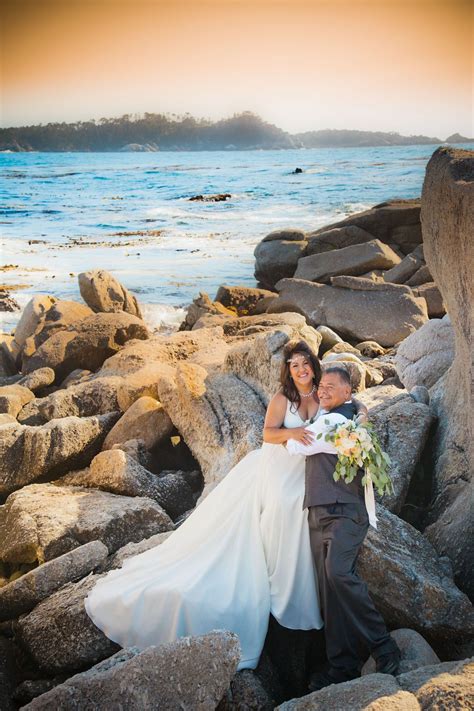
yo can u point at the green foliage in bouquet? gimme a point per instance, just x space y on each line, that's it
358 446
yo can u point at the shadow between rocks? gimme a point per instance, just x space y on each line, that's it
416 508
293 656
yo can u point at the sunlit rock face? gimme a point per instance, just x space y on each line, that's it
447 217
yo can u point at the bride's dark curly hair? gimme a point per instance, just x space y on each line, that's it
288 388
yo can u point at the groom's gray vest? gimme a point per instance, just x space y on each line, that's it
320 487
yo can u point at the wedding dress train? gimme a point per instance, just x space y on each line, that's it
242 554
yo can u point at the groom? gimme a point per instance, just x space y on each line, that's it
338 524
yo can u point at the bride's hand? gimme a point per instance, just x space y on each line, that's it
301 434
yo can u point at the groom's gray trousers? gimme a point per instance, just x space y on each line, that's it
353 627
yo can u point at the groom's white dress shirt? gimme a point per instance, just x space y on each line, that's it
322 425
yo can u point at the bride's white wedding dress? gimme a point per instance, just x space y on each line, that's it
243 553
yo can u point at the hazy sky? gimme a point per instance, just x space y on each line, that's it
395 65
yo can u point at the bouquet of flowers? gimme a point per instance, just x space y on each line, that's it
358 447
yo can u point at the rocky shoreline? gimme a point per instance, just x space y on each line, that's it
110 435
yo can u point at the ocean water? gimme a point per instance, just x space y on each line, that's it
130 213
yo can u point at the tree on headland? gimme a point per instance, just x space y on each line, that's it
149 131
245 130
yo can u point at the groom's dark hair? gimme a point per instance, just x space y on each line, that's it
342 372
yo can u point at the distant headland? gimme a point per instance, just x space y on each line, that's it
169 132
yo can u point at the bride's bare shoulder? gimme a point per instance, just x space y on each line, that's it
276 411
278 401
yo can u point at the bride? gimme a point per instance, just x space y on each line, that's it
242 554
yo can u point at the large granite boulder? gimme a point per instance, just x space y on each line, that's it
6 419
24 593
433 298
28 452
43 521
38 379
426 355
246 691
202 307
61 315
355 368
238 329
119 473
420 277
375 692
191 673
130 549
276 256
396 222
362 373
442 686
9 352
13 398
103 292
145 419
219 416
341 347
87 344
356 308
412 588
329 339
208 320
402 426
404 270
243 300
448 225
33 315
370 349
353 261
289 234
336 238
58 633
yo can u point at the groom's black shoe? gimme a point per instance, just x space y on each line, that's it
319 680
389 663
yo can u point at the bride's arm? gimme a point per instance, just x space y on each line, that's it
273 430
320 427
